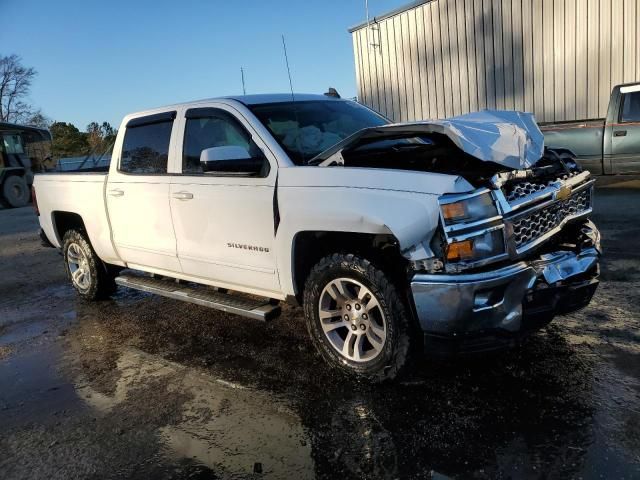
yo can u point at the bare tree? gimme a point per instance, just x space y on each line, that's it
36 119
15 83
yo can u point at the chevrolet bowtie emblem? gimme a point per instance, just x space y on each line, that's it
563 193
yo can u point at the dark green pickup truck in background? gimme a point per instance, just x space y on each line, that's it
604 146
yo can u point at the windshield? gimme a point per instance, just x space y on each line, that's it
305 129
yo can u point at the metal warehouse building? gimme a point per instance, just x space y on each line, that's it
556 58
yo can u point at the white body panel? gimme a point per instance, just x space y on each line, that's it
336 199
141 222
151 226
82 194
224 215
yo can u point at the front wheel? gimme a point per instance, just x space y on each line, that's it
356 317
88 274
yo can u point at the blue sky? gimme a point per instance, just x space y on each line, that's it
101 60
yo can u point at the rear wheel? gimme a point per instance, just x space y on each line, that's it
356 318
15 191
91 278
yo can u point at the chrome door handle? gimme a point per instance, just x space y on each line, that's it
183 195
620 133
116 192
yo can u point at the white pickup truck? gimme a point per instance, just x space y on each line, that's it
456 235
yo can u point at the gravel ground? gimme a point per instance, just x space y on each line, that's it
145 387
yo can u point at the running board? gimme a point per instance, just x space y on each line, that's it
258 309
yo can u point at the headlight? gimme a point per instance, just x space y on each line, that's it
468 210
478 247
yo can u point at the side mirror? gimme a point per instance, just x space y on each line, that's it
232 160
231 152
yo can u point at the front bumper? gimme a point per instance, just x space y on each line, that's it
494 309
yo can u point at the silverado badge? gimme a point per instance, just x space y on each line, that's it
248 247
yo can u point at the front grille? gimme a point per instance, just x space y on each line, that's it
533 226
524 189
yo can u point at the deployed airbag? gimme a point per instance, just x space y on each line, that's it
507 138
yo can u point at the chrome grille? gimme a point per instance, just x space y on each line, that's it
533 226
524 189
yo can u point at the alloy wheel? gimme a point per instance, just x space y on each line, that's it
352 320
78 266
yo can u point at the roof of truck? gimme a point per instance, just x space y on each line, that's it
262 98
259 98
278 98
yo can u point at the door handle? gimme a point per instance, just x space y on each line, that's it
620 133
116 192
183 195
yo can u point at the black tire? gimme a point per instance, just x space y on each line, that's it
393 356
15 191
100 279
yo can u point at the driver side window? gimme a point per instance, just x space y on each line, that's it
207 128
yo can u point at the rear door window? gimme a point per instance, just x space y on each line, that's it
145 150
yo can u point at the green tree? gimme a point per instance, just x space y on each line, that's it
108 132
94 136
68 141
100 137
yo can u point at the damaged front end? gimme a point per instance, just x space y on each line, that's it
514 254
509 254
496 308
516 213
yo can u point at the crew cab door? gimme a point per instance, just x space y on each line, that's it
223 211
625 135
137 194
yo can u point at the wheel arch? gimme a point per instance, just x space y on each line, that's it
309 246
64 221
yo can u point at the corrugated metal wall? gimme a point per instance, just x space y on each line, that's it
556 58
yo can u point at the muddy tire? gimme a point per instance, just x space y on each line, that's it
91 278
356 318
15 191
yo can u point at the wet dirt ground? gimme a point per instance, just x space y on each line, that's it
146 387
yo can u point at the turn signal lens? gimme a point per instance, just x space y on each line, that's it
460 250
454 211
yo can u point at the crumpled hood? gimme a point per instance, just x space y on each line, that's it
508 138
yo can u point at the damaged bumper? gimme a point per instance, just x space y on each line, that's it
494 309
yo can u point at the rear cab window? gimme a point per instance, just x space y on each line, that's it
145 149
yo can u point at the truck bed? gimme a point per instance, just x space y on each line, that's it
80 193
